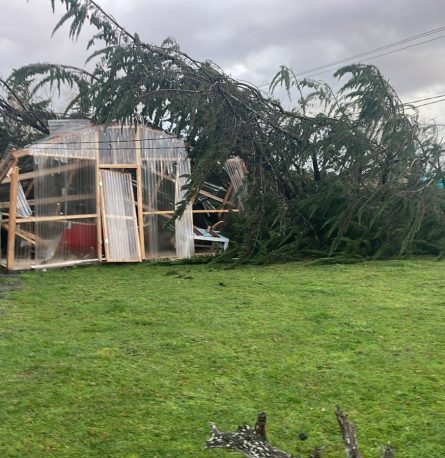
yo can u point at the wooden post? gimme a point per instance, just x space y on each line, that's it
139 192
226 198
10 253
98 200
104 216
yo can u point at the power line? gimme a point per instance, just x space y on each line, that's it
422 100
429 103
372 51
385 54
108 141
36 147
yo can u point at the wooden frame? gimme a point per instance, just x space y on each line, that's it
98 202
139 200
10 253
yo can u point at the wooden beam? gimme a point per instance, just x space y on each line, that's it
135 218
226 197
63 264
22 153
211 196
44 172
171 212
10 251
105 225
39 219
98 201
51 200
25 235
118 166
120 217
29 188
139 194
231 210
8 162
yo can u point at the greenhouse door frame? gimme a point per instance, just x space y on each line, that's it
126 245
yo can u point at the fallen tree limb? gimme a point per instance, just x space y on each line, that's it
252 442
348 433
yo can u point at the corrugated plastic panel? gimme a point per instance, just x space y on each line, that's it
165 168
23 208
117 145
63 126
120 223
235 169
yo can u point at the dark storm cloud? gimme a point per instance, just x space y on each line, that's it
251 38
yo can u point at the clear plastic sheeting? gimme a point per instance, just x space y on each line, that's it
64 241
165 169
23 208
120 224
76 145
185 244
24 248
64 187
117 145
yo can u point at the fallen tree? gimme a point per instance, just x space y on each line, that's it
345 175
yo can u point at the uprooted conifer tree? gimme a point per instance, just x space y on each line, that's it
356 180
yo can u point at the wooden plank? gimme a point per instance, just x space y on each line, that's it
171 212
159 212
133 208
45 172
211 196
98 201
10 251
22 153
50 200
8 163
230 210
118 166
25 235
226 197
121 217
64 264
103 213
29 188
36 219
125 260
139 194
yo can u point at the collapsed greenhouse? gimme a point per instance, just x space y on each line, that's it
103 194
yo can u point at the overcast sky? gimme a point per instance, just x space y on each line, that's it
250 39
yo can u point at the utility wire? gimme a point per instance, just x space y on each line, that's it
74 142
429 103
384 54
45 148
422 100
372 51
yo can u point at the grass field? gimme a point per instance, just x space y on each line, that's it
135 360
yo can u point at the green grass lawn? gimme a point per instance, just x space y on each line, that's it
135 360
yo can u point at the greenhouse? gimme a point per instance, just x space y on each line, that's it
94 193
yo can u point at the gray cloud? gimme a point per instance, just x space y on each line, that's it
251 38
